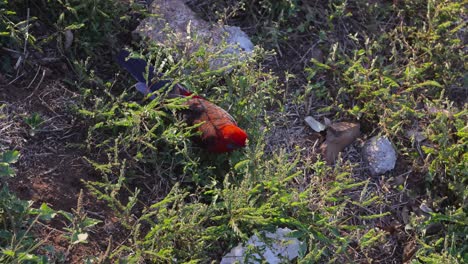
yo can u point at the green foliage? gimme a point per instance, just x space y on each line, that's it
6 159
95 24
14 33
11 30
34 122
269 16
17 219
80 223
153 136
92 27
108 190
258 194
215 201
400 79
447 156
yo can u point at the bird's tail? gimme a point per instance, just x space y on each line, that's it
139 69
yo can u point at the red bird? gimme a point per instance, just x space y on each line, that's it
218 129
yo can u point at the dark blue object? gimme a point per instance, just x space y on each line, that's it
137 68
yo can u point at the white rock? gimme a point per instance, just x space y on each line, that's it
235 36
379 154
174 23
282 249
314 124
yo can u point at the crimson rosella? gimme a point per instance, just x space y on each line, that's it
218 130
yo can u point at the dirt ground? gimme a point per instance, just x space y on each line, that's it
51 168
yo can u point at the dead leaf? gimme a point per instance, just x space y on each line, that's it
399 180
433 229
405 215
434 110
327 121
425 208
339 135
68 39
2 79
409 250
417 135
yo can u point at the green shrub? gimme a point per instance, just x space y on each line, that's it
403 79
215 201
17 220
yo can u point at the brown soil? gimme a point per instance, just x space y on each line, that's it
51 168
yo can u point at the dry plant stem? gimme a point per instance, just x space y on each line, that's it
34 78
38 85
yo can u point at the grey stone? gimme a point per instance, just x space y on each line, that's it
379 154
174 23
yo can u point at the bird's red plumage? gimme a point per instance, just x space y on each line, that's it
219 131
